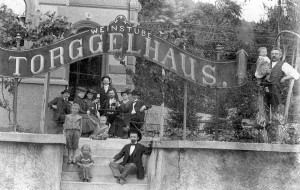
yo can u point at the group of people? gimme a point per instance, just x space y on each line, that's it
99 115
132 161
122 116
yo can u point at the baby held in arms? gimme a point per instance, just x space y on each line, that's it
263 66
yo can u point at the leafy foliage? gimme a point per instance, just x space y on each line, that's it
49 28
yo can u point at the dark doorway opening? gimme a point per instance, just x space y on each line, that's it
85 73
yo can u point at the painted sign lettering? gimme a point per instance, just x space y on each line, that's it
121 39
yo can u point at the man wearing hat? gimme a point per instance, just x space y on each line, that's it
106 87
61 107
132 160
137 112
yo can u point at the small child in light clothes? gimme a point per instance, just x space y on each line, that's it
263 66
72 131
84 162
101 131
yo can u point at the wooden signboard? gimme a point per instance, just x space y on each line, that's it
121 39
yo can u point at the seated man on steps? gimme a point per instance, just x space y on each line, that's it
132 160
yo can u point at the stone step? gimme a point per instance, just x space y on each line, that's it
100 168
97 160
100 177
111 143
100 152
67 185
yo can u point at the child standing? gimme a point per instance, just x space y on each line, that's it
101 131
84 162
263 67
72 131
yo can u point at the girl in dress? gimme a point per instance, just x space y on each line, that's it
84 162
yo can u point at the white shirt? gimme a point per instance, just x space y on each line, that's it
105 88
131 149
133 110
112 100
287 69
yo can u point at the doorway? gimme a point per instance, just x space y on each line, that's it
85 73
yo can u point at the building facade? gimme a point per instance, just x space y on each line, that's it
84 15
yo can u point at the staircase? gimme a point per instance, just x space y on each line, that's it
103 152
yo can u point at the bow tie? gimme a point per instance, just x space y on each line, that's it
132 144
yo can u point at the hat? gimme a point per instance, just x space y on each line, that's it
66 91
81 89
135 92
126 91
91 91
105 76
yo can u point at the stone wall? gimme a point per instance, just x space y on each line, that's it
30 161
224 166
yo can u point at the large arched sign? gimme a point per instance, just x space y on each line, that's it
121 39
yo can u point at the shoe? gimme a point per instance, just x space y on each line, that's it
122 181
118 180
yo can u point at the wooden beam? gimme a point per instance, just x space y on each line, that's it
44 104
296 62
185 109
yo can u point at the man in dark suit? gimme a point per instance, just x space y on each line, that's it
61 107
132 160
137 112
106 87
110 105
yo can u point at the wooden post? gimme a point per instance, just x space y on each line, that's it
161 125
185 109
15 104
218 51
16 83
217 115
44 104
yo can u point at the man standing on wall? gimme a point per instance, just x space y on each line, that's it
132 160
281 71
